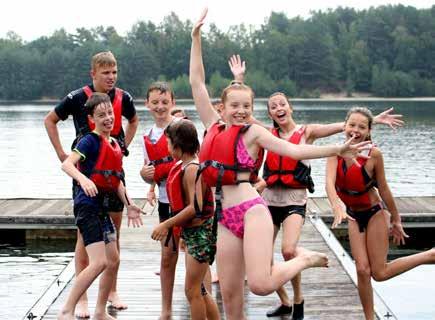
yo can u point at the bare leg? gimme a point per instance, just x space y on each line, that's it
231 272
292 227
106 281
97 264
168 263
378 245
81 261
195 273
114 299
207 280
263 278
358 247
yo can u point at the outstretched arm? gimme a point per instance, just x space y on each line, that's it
317 131
207 114
268 141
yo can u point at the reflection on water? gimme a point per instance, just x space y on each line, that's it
25 273
30 168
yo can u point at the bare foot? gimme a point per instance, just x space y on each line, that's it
82 310
103 316
63 315
115 301
313 258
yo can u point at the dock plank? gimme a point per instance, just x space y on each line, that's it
329 293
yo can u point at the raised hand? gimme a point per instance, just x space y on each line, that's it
352 151
237 67
392 120
197 26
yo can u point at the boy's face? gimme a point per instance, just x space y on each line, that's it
104 78
103 118
160 104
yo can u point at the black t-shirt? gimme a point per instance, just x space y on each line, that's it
73 104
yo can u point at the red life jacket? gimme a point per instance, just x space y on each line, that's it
174 189
282 170
159 156
117 110
353 183
218 157
107 172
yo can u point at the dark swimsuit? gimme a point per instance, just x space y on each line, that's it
363 217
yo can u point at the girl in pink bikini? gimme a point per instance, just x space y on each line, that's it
230 156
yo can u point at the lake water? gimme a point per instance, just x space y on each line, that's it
30 168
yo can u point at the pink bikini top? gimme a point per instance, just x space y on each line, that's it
243 157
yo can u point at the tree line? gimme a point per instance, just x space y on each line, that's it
386 51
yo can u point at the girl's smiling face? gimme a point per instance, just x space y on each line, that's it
357 126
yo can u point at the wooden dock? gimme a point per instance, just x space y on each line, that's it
329 293
57 214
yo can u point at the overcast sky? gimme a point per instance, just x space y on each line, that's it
34 18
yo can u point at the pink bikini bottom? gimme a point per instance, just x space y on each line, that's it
232 217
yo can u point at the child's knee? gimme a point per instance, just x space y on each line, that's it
288 252
363 270
192 292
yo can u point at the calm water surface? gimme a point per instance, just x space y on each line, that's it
30 168
26 271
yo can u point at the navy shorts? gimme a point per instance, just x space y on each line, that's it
279 214
94 225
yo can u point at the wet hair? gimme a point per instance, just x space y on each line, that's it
365 112
95 100
103 59
236 85
183 135
275 125
161 86
178 110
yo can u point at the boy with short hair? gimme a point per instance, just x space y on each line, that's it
104 73
157 163
99 176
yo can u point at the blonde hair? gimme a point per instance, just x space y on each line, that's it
236 86
103 59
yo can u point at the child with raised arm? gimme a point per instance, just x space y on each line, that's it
99 175
191 208
357 192
285 183
229 160
157 164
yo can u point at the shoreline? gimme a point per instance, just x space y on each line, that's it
327 98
